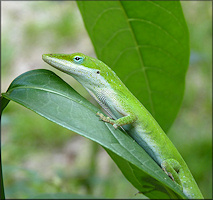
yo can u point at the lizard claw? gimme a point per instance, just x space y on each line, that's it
115 126
100 116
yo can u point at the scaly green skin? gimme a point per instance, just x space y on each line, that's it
126 111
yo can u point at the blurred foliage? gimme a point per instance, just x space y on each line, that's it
192 131
40 157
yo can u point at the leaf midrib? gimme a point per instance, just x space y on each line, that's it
50 91
141 60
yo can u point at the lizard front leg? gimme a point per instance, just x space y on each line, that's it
119 122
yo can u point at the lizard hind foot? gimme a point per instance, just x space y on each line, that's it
171 167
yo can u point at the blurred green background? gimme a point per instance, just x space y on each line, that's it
39 157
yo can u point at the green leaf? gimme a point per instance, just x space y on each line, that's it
45 93
139 179
4 103
147 44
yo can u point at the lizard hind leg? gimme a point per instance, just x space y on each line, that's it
171 167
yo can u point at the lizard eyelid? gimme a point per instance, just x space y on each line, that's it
78 59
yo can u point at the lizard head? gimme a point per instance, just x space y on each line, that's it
90 72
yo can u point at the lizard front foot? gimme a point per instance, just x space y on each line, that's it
107 119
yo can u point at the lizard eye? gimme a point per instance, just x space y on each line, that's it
98 72
78 59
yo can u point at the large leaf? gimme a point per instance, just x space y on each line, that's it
46 94
146 43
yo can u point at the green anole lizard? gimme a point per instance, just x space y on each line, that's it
125 110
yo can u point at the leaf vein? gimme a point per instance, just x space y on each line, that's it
160 49
169 12
111 38
141 61
101 14
155 25
50 91
120 54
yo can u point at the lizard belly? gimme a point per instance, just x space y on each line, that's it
144 139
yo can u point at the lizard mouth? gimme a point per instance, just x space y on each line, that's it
53 60
57 61
48 58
